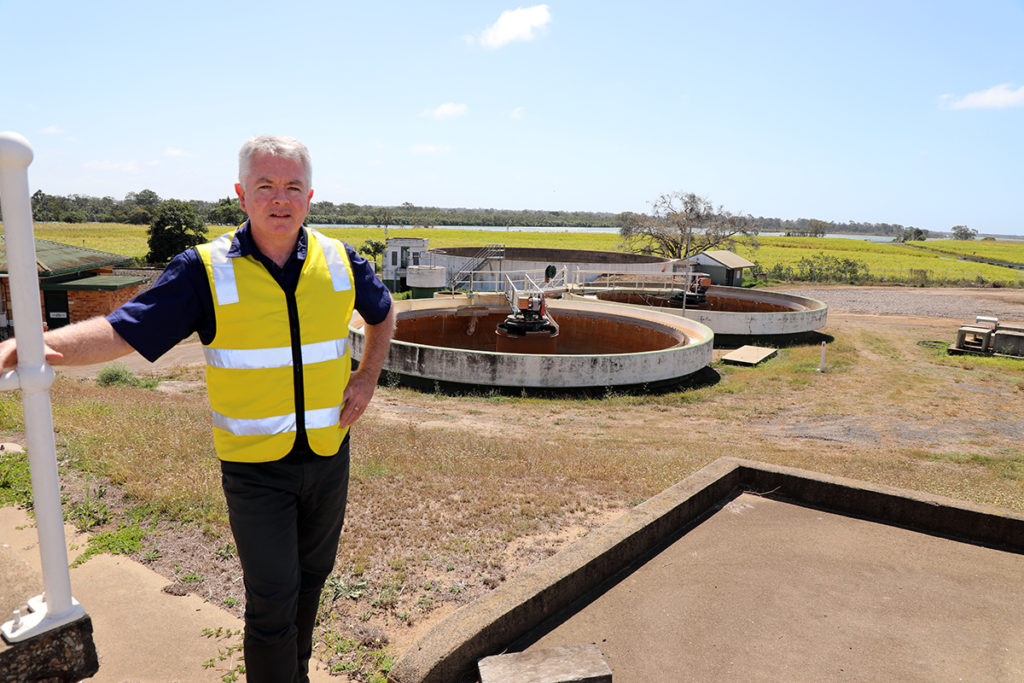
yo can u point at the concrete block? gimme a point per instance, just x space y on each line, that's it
66 653
749 355
581 663
1008 343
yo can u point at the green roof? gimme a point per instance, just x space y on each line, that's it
94 283
55 258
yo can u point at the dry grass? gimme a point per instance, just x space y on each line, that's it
451 495
156 447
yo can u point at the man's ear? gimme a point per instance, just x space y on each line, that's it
240 191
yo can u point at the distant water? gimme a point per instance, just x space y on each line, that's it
529 228
486 228
851 236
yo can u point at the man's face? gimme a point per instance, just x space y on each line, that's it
275 196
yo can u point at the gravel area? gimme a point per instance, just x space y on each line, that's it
1007 305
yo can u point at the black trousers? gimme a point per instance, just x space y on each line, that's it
286 517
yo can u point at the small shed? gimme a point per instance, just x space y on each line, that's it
724 267
75 283
399 254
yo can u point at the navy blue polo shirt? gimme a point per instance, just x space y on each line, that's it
180 302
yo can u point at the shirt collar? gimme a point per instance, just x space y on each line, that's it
244 245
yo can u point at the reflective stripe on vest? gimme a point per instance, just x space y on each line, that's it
223 270
336 267
279 357
279 424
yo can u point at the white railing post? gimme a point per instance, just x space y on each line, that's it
55 607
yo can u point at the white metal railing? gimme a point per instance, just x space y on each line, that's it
591 280
55 607
494 280
523 283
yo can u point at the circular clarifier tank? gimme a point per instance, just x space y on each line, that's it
731 310
454 340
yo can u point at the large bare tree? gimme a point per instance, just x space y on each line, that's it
682 224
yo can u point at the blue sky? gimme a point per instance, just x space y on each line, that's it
904 111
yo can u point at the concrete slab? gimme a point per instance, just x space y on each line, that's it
580 663
140 632
774 591
749 355
822 577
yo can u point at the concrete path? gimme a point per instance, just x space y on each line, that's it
188 352
141 633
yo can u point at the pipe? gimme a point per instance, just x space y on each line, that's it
55 607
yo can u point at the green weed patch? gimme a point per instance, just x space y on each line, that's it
125 540
15 480
1005 467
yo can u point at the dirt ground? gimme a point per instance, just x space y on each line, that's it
891 397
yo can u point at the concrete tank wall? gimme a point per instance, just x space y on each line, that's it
420 351
426 277
803 314
759 312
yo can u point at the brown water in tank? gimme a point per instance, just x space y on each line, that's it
713 303
579 333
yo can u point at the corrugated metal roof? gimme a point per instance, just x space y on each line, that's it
94 283
54 258
729 259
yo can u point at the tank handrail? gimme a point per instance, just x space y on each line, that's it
496 278
610 279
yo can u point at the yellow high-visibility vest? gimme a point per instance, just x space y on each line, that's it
251 380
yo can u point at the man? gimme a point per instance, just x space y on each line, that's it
271 302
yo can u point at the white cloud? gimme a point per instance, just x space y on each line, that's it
115 166
429 149
520 24
53 130
517 113
175 152
999 97
446 111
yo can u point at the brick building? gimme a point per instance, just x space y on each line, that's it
75 284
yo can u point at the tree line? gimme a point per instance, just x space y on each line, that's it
139 208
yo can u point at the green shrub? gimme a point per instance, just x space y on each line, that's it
119 374
116 373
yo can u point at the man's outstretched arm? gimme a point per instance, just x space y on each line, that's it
90 341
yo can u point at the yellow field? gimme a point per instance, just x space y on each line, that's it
1006 251
885 261
131 240
441 237
116 238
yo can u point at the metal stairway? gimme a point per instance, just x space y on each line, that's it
491 252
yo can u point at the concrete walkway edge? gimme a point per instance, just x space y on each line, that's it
493 623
